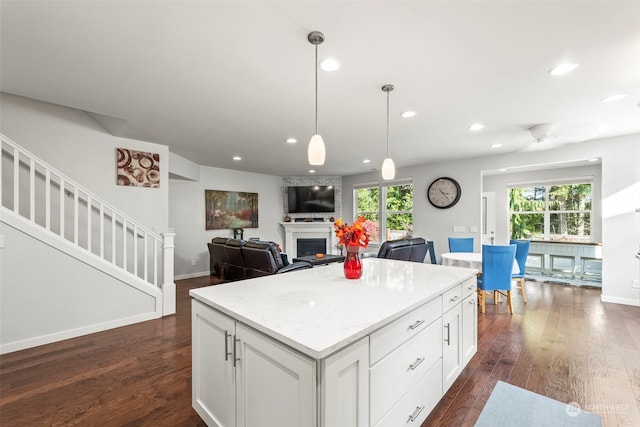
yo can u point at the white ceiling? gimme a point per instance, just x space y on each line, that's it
214 79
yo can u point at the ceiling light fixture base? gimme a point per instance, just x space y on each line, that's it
315 37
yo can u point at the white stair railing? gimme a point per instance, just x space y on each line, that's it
39 193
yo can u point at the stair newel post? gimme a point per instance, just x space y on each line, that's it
168 286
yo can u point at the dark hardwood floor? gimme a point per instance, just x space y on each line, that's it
564 344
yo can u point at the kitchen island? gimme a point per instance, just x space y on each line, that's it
312 348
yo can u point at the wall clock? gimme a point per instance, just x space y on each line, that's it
444 192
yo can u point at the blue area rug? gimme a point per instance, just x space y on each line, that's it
509 405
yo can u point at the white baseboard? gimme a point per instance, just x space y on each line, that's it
192 275
618 300
73 333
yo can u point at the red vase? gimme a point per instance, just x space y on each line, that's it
352 263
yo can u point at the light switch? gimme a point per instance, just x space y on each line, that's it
459 228
473 229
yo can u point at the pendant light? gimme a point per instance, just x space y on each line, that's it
388 168
316 151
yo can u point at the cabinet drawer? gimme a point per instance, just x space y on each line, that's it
451 298
390 337
414 407
394 375
469 287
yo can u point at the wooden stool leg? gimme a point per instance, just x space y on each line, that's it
524 291
481 300
510 302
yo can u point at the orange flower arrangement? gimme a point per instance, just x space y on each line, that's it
352 235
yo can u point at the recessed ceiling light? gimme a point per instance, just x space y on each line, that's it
312 171
496 145
329 64
614 98
291 140
476 127
366 161
408 114
603 127
502 170
561 69
593 160
236 158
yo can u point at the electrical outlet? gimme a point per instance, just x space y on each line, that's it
193 262
635 284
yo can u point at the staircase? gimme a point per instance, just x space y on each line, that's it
50 222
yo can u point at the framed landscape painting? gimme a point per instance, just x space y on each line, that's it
230 209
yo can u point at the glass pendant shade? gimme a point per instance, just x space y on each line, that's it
316 151
388 169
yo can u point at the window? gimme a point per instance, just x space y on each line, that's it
388 209
551 212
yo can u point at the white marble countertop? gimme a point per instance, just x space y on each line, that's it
318 311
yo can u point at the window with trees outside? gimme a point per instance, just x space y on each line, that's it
551 212
387 208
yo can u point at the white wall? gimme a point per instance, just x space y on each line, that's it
187 214
45 295
48 296
620 188
75 144
498 184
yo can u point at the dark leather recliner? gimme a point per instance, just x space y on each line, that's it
235 269
217 256
233 259
264 259
414 249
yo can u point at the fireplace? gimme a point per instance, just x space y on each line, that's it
294 231
305 247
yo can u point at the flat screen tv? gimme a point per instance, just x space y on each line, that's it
311 199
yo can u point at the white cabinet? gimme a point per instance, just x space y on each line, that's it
213 384
242 378
452 346
460 328
451 336
469 327
391 372
345 390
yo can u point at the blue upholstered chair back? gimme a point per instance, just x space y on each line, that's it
522 250
497 264
460 244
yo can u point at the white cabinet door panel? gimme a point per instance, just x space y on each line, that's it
213 385
452 346
275 386
346 387
469 328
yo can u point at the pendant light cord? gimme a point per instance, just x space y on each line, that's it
316 67
387 123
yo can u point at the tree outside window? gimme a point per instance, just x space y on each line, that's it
552 212
388 210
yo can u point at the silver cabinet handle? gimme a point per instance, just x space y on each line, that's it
471 301
417 363
454 298
227 353
415 325
415 414
448 337
235 354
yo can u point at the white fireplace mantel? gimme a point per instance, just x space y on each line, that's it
307 230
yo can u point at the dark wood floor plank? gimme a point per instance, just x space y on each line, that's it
564 343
